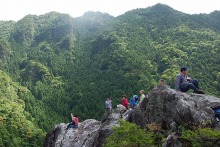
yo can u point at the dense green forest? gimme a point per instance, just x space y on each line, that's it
54 64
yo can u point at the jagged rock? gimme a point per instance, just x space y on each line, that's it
90 133
164 105
51 137
137 116
173 143
173 126
217 126
106 129
76 137
173 140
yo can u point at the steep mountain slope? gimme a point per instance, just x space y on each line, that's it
73 64
6 27
159 40
17 125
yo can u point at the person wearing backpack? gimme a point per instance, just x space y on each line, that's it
184 83
74 123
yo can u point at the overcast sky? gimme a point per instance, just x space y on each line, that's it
17 9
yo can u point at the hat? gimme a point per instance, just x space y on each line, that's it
142 91
184 68
135 96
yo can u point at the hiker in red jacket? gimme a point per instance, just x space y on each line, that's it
124 101
74 123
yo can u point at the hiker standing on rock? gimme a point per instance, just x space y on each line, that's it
108 104
108 109
184 82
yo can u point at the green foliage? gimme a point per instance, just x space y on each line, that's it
16 124
72 64
6 28
5 50
34 72
131 135
202 137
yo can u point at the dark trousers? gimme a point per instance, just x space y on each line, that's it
71 125
106 114
194 85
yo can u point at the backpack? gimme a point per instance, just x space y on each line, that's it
217 111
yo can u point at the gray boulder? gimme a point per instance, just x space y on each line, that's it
106 129
165 106
90 133
77 137
136 116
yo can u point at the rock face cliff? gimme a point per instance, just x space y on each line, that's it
90 133
167 107
162 106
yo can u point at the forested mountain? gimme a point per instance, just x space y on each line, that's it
18 127
72 64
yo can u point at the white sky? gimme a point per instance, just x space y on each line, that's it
17 9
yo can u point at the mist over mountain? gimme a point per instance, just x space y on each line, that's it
70 64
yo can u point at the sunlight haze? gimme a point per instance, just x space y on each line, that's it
17 9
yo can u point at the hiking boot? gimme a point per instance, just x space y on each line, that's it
199 92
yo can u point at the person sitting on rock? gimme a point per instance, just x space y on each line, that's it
161 82
134 101
124 101
161 85
74 123
142 95
184 83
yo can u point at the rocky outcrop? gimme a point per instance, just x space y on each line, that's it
165 106
137 116
90 133
77 137
106 129
173 140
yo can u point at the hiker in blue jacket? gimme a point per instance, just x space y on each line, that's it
134 101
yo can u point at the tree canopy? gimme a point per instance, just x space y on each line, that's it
72 64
